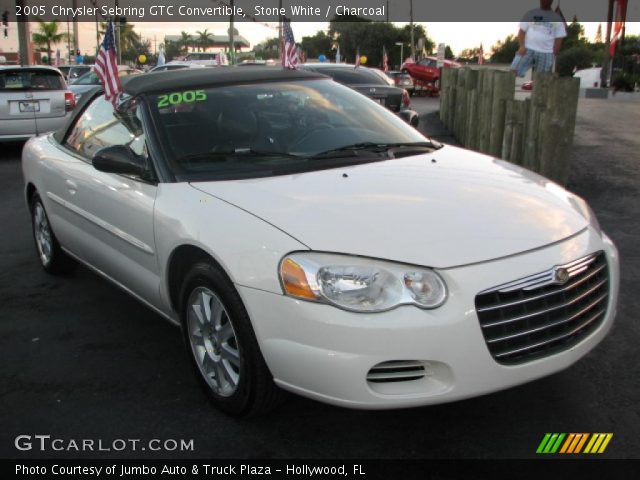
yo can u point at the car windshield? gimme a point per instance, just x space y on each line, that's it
24 79
76 72
243 131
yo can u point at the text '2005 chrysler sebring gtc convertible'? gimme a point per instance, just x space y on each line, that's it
306 239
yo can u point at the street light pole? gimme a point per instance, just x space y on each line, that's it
76 34
23 37
411 19
232 47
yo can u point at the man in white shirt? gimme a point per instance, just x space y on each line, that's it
540 38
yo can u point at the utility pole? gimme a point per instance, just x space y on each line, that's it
387 11
413 56
76 34
23 37
232 46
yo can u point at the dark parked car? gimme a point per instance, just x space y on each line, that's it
402 80
369 83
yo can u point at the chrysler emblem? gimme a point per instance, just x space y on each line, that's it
561 276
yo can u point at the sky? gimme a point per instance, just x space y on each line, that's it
458 35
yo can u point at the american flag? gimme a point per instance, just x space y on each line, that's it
357 58
385 59
107 66
290 49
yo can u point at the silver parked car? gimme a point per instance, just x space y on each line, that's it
33 100
90 80
175 66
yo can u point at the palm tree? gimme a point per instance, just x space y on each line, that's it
129 39
204 38
186 40
48 35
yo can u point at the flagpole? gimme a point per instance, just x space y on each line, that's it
280 31
117 28
606 64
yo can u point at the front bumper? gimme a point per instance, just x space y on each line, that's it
410 116
325 353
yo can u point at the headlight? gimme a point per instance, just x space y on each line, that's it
359 284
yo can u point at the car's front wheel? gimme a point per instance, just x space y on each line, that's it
51 256
222 345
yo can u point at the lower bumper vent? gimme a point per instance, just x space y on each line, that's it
396 371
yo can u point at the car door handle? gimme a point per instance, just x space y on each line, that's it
72 187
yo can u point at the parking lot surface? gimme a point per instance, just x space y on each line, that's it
81 359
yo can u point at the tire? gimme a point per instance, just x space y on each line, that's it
50 255
222 345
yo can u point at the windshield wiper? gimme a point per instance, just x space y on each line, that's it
373 147
238 152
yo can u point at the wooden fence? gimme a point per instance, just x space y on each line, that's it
478 106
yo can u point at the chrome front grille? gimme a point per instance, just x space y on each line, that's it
545 313
396 371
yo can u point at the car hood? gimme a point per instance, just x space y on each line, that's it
448 208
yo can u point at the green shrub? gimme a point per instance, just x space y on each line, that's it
574 58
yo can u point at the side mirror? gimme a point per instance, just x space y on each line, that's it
119 159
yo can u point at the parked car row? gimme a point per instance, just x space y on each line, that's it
372 83
23 115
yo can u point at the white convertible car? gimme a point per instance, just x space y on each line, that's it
306 239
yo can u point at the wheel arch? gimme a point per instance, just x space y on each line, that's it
181 259
29 191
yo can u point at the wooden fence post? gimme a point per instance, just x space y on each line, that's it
504 84
478 106
557 128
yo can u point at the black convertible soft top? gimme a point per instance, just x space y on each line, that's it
210 76
190 78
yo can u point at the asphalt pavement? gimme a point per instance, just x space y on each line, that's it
82 360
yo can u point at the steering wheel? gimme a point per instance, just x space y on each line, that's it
314 131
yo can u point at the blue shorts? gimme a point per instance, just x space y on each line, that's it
542 62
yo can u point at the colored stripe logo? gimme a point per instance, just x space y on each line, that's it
574 443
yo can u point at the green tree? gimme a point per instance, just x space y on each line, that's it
572 59
172 50
418 33
470 55
48 35
269 49
352 32
448 53
186 40
131 44
505 50
575 36
204 40
319 44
